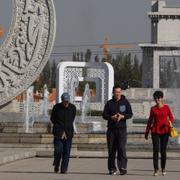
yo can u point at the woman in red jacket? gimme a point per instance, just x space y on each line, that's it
158 124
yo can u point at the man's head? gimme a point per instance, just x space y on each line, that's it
65 99
117 92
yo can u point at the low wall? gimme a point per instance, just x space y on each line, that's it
141 100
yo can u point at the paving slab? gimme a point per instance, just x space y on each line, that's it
84 169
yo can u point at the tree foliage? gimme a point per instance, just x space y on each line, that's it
127 69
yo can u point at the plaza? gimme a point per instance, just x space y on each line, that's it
91 168
36 68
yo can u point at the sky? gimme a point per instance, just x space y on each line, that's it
86 22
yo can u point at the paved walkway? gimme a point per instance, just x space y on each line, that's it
83 169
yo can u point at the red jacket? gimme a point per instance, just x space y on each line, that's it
158 120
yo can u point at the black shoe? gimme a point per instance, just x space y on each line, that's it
56 169
123 172
113 172
63 172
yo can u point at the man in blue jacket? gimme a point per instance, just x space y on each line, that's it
62 117
116 112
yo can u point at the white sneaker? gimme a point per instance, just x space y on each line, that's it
164 172
155 173
114 172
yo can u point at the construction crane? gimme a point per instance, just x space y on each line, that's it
1 31
106 47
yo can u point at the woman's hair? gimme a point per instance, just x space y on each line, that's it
158 94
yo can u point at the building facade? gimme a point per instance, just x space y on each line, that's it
162 54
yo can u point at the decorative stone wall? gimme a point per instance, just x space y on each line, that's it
141 100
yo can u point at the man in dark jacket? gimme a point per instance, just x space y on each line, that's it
116 112
62 117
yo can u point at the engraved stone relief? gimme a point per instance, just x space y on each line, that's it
27 47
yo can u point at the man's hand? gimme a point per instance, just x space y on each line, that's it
117 117
114 117
120 117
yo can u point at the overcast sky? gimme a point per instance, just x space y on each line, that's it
88 21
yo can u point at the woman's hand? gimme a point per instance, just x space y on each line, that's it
146 136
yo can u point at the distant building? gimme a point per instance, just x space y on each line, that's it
165 42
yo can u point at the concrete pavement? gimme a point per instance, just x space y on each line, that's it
84 169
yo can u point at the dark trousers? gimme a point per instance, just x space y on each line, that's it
116 141
62 149
159 143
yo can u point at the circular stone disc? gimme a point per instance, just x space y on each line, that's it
27 48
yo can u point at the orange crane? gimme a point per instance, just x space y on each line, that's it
1 32
106 47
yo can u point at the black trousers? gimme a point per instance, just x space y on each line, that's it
159 143
116 141
62 149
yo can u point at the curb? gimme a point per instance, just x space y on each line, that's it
8 157
103 154
12 155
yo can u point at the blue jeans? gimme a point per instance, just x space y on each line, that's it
62 149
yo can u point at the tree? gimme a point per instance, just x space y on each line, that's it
77 56
137 73
88 55
82 56
96 58
53 75
74 56
44 78
127 70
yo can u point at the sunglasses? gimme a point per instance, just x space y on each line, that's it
157 98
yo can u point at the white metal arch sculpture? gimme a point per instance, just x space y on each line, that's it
100 73
27 48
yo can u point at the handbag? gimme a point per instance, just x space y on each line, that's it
172 130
